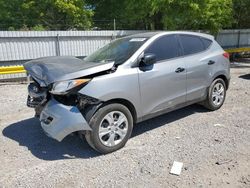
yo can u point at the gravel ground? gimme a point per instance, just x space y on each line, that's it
213 155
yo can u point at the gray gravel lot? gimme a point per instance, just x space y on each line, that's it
215 156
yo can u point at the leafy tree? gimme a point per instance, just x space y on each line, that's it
129 14
7 18
241 14
52 14
211 15
139 14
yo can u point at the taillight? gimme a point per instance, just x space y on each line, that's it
226 55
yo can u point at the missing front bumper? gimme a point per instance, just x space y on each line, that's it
59 120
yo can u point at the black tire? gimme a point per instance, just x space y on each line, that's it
92 137
208 103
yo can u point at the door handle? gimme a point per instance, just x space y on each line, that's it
211 62
179 69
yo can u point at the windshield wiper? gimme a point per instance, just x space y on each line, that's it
108 60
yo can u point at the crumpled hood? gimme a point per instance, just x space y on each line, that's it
59 68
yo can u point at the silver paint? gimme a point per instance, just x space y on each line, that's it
151 91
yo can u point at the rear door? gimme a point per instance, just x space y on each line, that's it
163 85
196 58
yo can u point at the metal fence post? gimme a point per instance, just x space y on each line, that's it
114 29
58 45
238 45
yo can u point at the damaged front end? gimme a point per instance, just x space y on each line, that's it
53 93
61 114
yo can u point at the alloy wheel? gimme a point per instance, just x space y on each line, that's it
218 94
113 128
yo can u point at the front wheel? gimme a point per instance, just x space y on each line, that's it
216 95
111 128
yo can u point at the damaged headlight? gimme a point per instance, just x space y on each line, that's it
64 87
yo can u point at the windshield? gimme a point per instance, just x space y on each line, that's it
118 51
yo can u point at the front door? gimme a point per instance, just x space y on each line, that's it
163 85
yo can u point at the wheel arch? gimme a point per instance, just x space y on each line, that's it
126 103
224 78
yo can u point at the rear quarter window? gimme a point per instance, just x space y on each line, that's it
206 42
191 44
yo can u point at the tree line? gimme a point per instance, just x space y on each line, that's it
209 15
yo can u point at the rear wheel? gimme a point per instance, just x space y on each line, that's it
111 128
216 95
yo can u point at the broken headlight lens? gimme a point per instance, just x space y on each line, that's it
64 87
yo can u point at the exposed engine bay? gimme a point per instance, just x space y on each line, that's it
44 79
39 96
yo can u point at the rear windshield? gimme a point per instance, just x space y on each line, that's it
118 51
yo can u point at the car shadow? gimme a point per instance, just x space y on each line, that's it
245 76
29 133
165 119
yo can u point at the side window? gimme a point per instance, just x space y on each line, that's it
165 47
191 44
206 42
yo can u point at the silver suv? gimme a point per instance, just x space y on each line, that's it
127 81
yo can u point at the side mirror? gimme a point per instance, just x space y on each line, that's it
148 59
